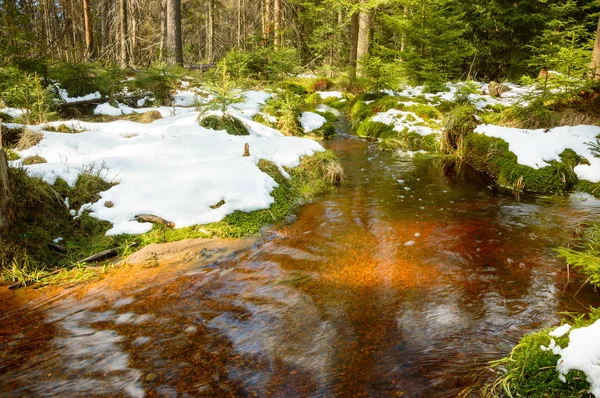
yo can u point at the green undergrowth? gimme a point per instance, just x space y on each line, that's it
530 372
492 156
585 255
39 216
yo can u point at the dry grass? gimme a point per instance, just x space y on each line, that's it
28 139
150 117
35 159
573 117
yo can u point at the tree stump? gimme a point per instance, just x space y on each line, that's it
246 149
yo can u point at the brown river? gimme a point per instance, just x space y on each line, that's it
400 282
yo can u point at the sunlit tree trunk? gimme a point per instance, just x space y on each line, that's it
210 31
87 22
268 23
353 38
123 36
403 39
277 24
174 41
595 64
364 32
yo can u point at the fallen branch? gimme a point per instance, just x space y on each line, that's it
57 248
95 101
100 256
154 220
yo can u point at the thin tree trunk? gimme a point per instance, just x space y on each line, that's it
163 31
239 23
267 31
103 26
364 33
210 32
277 24
87 22
595 64
353 39
133 33
403 39
123 33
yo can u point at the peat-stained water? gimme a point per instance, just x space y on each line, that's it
398 283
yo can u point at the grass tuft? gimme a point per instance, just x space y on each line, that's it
230 124
35 159
28 139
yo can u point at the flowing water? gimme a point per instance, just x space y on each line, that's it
398 283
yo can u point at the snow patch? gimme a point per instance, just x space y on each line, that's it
311 121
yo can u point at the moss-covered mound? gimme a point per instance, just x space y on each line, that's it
492 156
228 123
327 130
530 371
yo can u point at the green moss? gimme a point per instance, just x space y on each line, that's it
326 131
492 156
294 88
361 110
262 119
531 372
313 99
370 129
412 141
232 125
425 111
330 117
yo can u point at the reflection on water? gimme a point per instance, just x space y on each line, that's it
400 282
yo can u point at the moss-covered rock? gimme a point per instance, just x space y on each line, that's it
232 125
492 156
370 129
325 131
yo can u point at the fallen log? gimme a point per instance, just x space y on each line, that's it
100 256
154 220
57 248
95 101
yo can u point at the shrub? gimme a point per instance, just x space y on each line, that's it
287 109
321 84
261 63
294 88
230 124
29 93
77 79
157 81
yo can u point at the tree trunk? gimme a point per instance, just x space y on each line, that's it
87 22
210 32
403 39
364 33
123 33
277 24
353 38
5 195
595 64
174 41
267 31
239 23
163 31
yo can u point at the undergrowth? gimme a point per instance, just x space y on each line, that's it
585 255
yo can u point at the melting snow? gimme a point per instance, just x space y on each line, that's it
172 168
535 148
311 121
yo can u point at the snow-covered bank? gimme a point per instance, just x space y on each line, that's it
172 168
402 121
582 353
535 148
